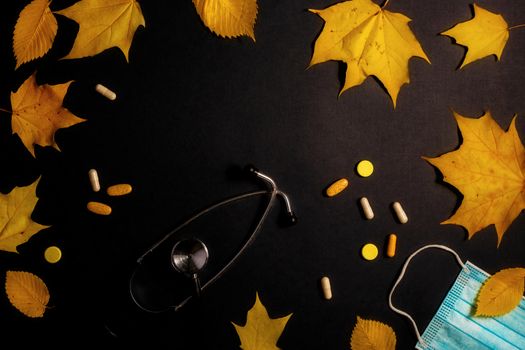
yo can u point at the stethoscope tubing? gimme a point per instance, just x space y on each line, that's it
273 193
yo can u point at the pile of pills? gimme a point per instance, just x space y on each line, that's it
369 251
112 191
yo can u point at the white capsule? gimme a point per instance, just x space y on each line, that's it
93 178
327 289
401 215
104 91
367 209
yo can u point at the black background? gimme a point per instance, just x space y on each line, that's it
191 109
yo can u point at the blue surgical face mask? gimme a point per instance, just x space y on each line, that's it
454 326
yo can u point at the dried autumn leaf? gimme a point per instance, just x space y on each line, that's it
104 24
501 293
484 35
16 226
370 40
38 113
488 169
260 331
27 292
372 335
228 18
35 31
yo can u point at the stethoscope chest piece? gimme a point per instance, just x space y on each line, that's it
189 256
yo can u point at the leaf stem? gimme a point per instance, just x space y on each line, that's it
516 26
386 3
5 110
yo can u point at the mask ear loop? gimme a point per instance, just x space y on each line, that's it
402 274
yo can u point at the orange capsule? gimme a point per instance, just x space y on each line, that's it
119 190
99 208
391 247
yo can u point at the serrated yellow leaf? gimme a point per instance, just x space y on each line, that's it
38 113
260 331
484 35
370 40
16 226
488 169
104 24
501 293
27 292
228 18
35 31
372 335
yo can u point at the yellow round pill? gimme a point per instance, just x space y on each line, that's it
53 254
365 168
369 251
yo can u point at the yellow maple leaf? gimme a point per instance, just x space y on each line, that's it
501 293
16 226
260 331
484 35
370 40
228 18
372 335
488 169
38 113
35 31
104 24
27 292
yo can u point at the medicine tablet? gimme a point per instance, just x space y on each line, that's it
52 254
99 208
369 251
337 187
107 93
365 168
367 208
93 178
401 215
119 190
327 289
391 247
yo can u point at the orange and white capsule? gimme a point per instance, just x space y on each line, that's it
367 208
327 289
107 93
400 213
391 247
93 179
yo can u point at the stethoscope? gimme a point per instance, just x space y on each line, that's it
190 256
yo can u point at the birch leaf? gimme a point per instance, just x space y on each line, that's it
27 292
372 335
370 40
104 24
38 113
35 31
484 35
501 293
260 331
488 169
228 18
16 225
